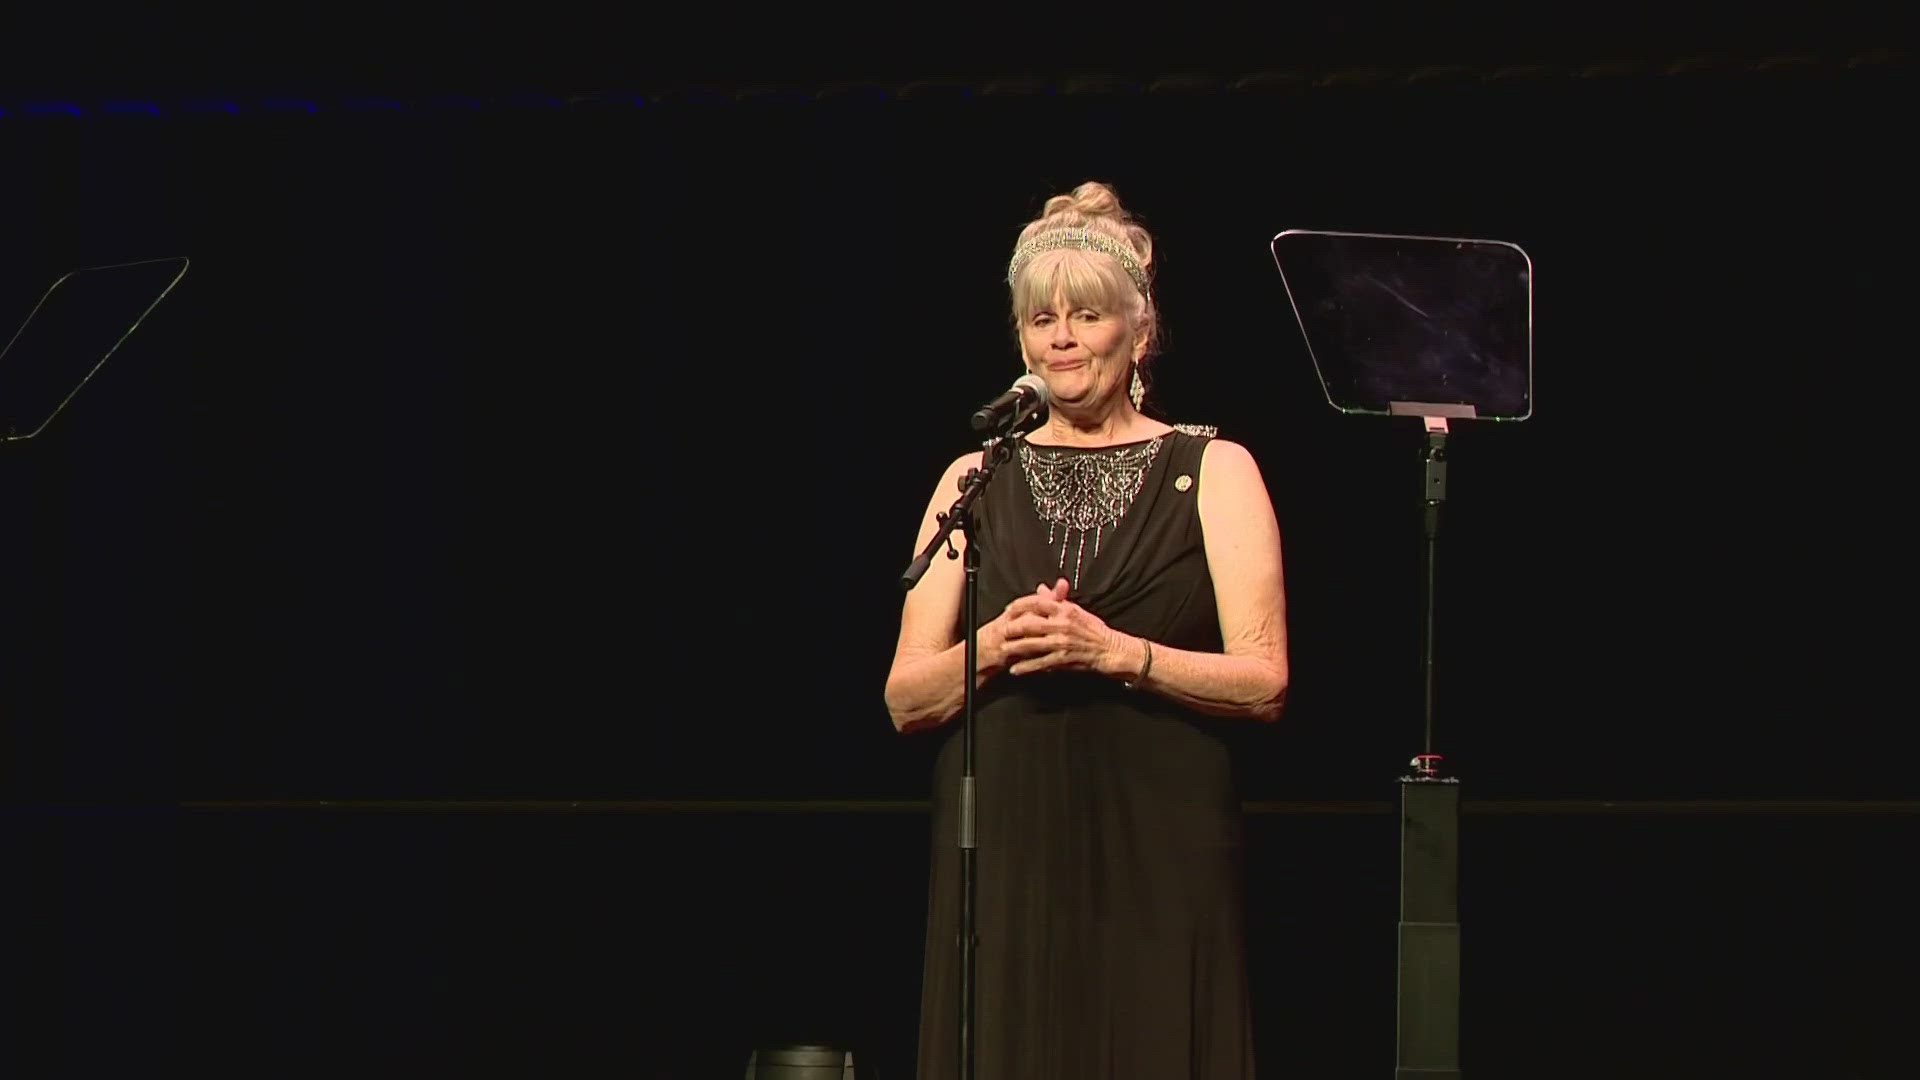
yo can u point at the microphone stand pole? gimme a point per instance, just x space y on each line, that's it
994 454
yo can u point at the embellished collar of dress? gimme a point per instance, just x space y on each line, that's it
1079 491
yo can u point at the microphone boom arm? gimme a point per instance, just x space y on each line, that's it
994 453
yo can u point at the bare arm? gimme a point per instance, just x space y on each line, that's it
924 687
1243 556
1242 540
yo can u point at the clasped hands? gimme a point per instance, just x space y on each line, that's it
1045 631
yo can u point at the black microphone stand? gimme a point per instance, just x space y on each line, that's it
994 453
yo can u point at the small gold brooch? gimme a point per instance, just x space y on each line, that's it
1182 483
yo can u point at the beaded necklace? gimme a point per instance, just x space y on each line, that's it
1077 492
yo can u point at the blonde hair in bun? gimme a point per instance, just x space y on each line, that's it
1092 205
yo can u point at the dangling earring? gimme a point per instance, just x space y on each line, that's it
1137 390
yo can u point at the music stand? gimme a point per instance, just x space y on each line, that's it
80 321
1438 328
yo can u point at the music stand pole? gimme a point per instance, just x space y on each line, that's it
1428 1026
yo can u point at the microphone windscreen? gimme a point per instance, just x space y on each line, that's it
1034 383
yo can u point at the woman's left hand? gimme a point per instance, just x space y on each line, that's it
1048 632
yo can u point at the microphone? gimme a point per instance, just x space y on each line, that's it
1026 396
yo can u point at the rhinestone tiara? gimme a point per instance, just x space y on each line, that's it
1085 240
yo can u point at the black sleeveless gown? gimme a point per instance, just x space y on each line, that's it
1109 892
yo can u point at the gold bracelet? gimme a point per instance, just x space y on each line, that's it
1145 666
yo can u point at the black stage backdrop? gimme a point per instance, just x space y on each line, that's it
572 453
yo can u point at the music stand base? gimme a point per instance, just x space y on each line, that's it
1428 1032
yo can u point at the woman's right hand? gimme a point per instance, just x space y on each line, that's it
993 634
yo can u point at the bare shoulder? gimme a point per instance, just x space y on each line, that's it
946 490
1228 460
1232 491
932 609
957 469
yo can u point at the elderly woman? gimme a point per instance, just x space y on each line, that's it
1130 590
